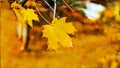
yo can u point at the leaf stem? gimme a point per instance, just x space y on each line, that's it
54 13
41 14
68 6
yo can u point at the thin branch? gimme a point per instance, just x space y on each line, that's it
54 13
68 6
51 8
49 5
41 14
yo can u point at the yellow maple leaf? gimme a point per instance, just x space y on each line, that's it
57 33
29 15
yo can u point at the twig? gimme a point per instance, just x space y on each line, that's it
41 14
68 6
49 5
51 8
54 13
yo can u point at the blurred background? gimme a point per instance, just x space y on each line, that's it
96 44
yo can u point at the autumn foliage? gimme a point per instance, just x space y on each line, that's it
66 38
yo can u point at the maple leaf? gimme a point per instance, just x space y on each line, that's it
57 33
29 15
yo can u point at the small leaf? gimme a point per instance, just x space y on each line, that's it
29 15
